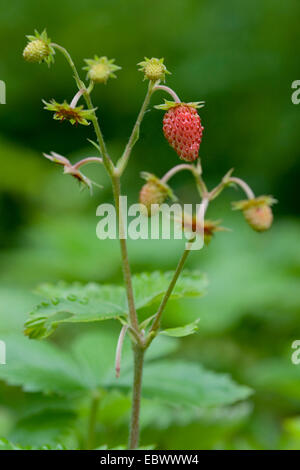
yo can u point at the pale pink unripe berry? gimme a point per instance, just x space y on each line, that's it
154 192
259 218
257 212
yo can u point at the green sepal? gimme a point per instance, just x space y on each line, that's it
255 202
173 104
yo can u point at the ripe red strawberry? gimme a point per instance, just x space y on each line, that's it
182 129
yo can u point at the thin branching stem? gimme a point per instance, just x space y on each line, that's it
177 169
157 319
196 171
80 84
87 160
245 187
77 97
122 163
168 90
124 255
226 182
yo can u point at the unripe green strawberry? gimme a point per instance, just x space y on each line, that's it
39 48
36 51
100 69
257 212
154 191
182 128
154 69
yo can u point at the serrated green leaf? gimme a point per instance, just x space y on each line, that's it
39 366
150 287
188 383
105 447
74 303
180 331
89 364
89 349
50 426
8 445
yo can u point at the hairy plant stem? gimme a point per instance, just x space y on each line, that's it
124 254
138 352
156 322
92 420
122 163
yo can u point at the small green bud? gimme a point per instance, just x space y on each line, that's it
39 49
154 69
100 69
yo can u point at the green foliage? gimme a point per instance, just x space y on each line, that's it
276 375
44 367
250 316
180 331
7 445
39 366
50 426
78 303
88 365
187 383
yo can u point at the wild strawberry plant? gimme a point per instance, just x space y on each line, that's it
46 368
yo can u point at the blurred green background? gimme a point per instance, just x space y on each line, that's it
241 58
